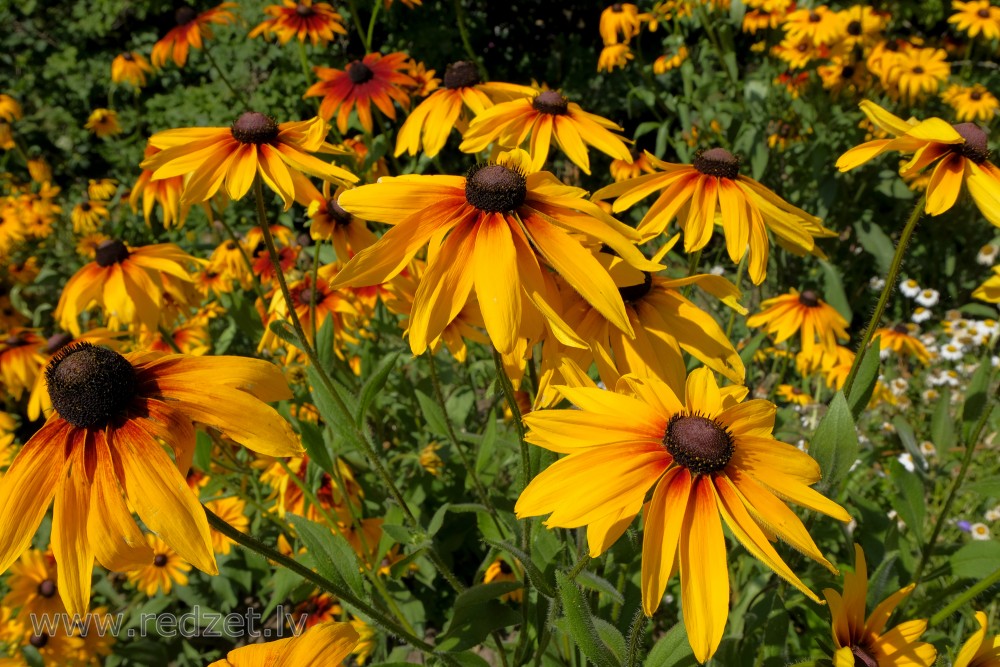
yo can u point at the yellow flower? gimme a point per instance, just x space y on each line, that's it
976 17
979 650
702 452
960 152
130 67
103 123
163 569
614 55
791 313
301 19
323 644
971 102
191 30
865 643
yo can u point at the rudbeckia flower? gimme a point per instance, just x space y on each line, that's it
192 28
111 413
960 151
979 650
130 67
165 191
255 144
301 19
375 79
164 569
702 452
546 116
805 313
103 123
489 230
323 644
976 17
695 193
865 643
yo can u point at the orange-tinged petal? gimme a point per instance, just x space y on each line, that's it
70 544
662 534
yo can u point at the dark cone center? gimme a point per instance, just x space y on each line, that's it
854 28
862 657
160 560
460 74
359 73
699 444
185 15
340 217
975 147
717 162
305 11
254 127
495 188
89 385
550 102
809 298
47 588
634 293
110 252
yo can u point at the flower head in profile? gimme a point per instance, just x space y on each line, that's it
323 644
979 650
695 193
130 67
976 17
958 153
164 569
375 79
817 321
191 30
303 19
707 456
493 230
111 414
864 642
545 117
255 145
103 123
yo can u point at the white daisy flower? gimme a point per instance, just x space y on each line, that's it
910 288
928 297
979 531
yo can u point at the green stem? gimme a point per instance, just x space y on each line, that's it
222 76
883 299
966 597
463 32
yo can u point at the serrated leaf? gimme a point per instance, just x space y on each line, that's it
976 560
672 650
835 445
374 384
333 556
865 380
580 620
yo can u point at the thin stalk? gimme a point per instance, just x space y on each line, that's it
222 76
883 299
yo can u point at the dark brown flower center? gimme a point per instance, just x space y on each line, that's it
39 641
305 11
128 56
809 298
359 73
863 657
460 74
901 329
701 445
495 188
636 292
550 102
975 147
56 342
110 252
160 560
89 385
340 217
185 15
854 28
254 127
47 588
717 162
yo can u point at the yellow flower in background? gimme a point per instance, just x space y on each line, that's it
191 30
976 17
971 102
979 650
861 642
696 193
614 55
103 123
111 413
376 79
255 145
318 22
322 644
130 67
960 152
703 452
805 313
619 23
545 117
164 569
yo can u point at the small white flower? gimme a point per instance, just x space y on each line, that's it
907 461
717 270
951 351
979 531
927 448
921 314
875 283
928 297
987 254
910 288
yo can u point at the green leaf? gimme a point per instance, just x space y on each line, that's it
908 498
588 579
976 560
833 290
835 445
672 650
333 556
942 425
477 614
865 380
976 396
436 419
581 624
374 384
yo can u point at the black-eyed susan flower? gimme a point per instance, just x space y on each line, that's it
130 67
545 117
111 413
976 17
375 79
103 123
329 222
619 23
323 644
164 570
703 452
900 339
126 283
960 152
979 650
695 193
255 145
87 216
805 313
614 55
303 19
971 103
191 30
861 642
492 230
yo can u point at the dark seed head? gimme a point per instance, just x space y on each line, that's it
975 147
110 252
550 102
359 73
701 445
254 127
160 560
862 657
305 11
89 385
809 298
39 641
634 293
717 162
495 188
47 588
460 74
185 15
854 28
505 568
